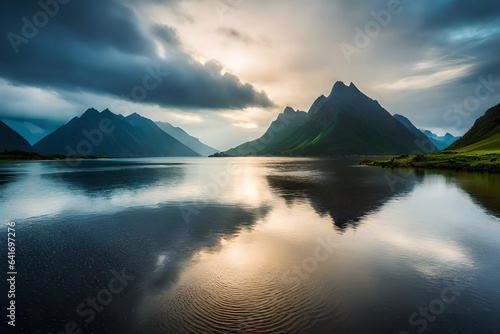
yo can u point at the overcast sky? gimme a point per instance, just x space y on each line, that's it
224 69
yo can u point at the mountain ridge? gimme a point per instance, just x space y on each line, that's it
441 142
190 141
344 123
108 134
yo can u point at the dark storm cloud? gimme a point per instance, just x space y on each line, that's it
103 47
447 14
167 34
464 29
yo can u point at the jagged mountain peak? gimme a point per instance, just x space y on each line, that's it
344 92
341 86
134 136
345 122
90 112
134 115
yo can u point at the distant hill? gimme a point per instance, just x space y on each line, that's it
344 123
193 143
484 134
441 142
10 140
107 134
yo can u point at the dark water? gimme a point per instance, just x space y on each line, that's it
250 245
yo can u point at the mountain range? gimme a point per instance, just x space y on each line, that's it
441 142
107 134
344 123
347 122
193 143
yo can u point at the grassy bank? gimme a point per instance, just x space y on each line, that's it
477 161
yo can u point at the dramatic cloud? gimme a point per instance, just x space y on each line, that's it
188 62
104 47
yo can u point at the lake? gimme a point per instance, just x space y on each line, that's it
250 245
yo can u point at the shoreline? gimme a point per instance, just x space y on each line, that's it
458 161
32 156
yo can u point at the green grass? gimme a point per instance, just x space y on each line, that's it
486 161
486 146
483 156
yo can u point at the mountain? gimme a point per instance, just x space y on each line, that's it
346 122
193 143
484 134
276 139
29 131
107 134
441 142
10 140
421 136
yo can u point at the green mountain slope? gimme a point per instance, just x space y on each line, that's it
346 122
484 134
490 144
275 141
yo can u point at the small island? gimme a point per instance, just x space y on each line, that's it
219 155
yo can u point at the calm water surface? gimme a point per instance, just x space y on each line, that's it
251 245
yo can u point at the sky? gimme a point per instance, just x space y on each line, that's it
224 69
